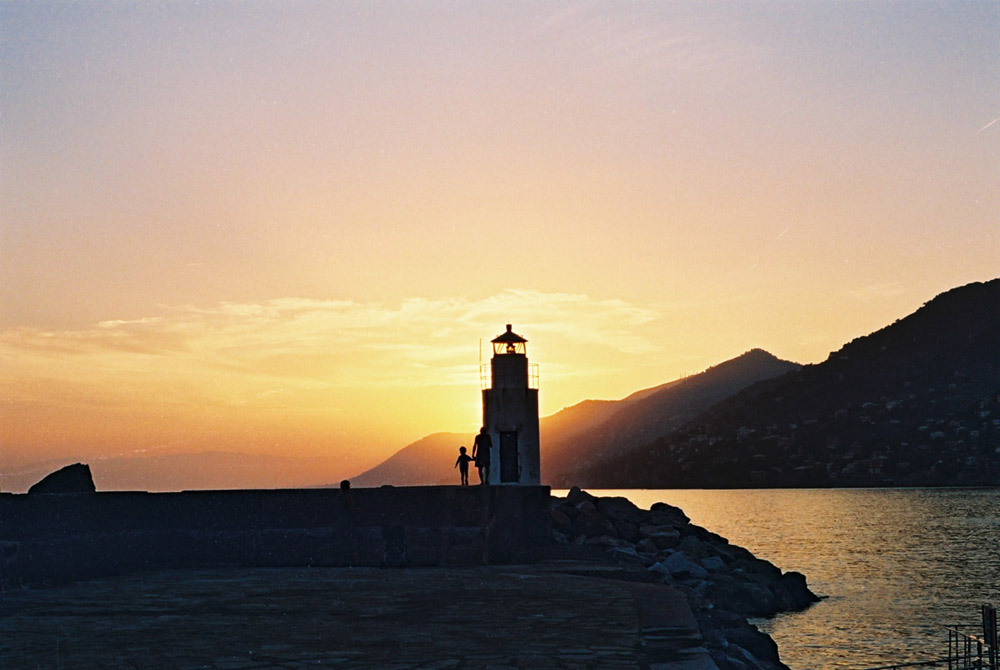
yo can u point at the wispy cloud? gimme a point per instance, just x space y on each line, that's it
288 373
418 341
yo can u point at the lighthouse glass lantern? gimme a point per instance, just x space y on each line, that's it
510 413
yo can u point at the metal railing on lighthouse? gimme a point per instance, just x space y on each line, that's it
486 376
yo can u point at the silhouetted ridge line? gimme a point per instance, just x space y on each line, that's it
914 403
652 415
427 462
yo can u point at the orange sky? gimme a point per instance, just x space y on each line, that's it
284 227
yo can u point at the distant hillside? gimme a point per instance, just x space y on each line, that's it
426 462
577 419
649 414
915 403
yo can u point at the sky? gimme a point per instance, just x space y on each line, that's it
284 228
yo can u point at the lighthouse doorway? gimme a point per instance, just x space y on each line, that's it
509 470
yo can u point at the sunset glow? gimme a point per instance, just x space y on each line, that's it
284 227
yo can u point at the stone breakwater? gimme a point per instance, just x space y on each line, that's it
724 584
57 538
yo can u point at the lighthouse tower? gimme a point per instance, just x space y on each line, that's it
510 413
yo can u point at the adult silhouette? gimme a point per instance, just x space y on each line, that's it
481 454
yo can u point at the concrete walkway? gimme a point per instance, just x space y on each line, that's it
557 615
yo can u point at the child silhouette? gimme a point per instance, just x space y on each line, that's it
463 465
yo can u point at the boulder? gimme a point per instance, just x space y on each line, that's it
576 496
619 508
713 564
741 596
709 537
758 568
591 523
742 658
755 599
626 555
732 552
681 566
760 646
74 478
626 530
667 539
586 506
665 514
735 644
562 505
659 568
694 547
792 593
560 520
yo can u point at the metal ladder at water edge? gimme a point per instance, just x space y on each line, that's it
970 647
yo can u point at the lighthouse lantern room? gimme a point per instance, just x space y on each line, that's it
510 413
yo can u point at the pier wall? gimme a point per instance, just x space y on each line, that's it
52 538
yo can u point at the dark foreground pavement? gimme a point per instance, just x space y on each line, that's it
552 615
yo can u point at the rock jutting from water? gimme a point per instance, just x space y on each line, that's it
74 478
724 583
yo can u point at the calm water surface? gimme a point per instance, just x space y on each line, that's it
895 565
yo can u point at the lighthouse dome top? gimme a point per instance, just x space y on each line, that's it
509 343
509 337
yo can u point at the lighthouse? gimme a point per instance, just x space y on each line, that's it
510 413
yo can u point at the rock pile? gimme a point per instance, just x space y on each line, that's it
724 583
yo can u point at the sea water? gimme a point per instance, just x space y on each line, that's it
894 566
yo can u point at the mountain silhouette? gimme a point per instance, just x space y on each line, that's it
649 414
915 403
589 432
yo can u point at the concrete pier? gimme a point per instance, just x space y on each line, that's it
57 538
547 615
